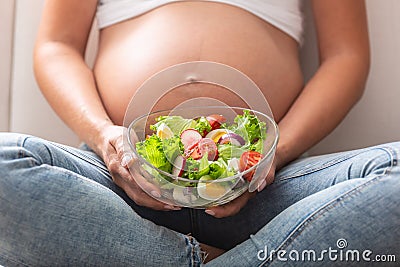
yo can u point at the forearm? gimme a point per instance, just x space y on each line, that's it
69 86
323 103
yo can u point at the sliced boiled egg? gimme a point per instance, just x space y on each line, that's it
216 134
211 190
164 132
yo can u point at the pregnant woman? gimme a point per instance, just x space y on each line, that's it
66 206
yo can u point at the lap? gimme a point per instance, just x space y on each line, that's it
85 164
358 215
52 213
293 183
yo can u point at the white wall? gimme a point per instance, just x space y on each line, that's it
6 30
375 119
30 112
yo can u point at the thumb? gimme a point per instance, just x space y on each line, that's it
269 179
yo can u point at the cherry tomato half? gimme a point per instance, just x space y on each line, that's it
215 120
247 160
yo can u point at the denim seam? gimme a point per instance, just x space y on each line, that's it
393 155
14 261
70 176
20 144
324 166
50 154
83 178
388 149
321 211
21 153
81 156
196 260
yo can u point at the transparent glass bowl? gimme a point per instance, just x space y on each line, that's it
185 192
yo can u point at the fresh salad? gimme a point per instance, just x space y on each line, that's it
203 149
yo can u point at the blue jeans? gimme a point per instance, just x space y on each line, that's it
59 206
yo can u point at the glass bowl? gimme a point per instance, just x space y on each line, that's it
184 192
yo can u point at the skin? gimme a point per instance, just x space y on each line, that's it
93 102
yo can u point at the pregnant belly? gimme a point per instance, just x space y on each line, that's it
133 50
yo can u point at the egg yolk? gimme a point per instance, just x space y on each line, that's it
214 190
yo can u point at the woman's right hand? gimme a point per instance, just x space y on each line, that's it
111 148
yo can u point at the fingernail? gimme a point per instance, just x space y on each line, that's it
210 212
170 207
262 186
126 159
155 194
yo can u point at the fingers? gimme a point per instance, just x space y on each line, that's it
136 188
237 204
140 197
230 208
146 186
269 179
127 160
118 163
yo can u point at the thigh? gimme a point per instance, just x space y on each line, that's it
24 151
349 224
21 149
293 183
53 216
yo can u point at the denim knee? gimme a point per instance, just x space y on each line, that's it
393 149
378 159
16 146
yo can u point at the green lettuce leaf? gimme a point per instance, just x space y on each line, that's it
250 127
202 125
216 169
256 146
196 168
228 151
177 124
152 150
172 147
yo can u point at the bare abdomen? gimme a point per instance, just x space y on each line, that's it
133 50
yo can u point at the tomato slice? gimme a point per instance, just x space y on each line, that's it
215 120
247 160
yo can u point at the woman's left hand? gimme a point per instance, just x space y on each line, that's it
237 204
